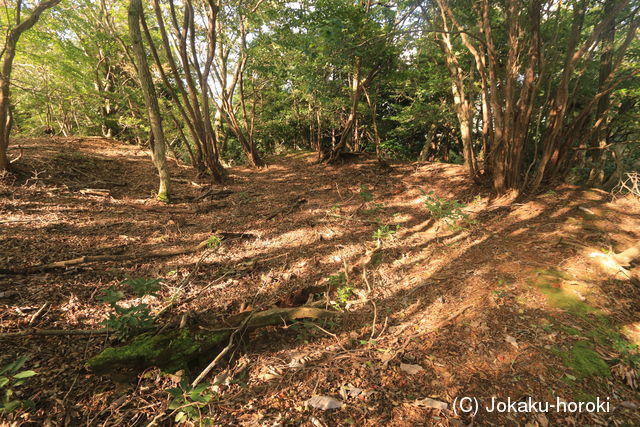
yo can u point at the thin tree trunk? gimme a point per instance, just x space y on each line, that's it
151 100
7 56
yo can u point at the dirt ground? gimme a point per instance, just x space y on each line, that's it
515 304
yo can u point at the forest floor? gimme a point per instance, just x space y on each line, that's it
512 306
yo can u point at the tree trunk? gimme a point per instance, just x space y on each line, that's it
596 174
151 100
461 102
7 56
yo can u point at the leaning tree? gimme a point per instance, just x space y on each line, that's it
16 26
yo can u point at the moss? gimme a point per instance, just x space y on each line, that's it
170 352
163 197
569 330
584 361
583 396
550 283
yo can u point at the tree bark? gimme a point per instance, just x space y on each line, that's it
7 56
151 101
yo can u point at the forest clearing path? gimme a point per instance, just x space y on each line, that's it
510 306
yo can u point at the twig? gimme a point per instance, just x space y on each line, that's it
365 279
224 351
375 318
55 332
184 282
13 221
38 313
330 334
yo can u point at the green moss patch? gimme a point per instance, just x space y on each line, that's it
584 361
550 284
170 351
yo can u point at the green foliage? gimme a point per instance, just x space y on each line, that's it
11 377
384 232
344 289
450 211
365 193
129 321
214 241
142 286
336 280
188 401
343 293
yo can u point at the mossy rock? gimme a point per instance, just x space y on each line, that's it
584 361
170 351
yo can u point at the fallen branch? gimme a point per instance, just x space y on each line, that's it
38 313
159 253
54 332
19 155
220 355
96 192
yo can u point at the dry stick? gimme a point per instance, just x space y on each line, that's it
55 332
375 318
365 279
184 282
38 313
224 351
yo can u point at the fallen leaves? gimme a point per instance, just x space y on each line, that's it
511 340
324 403
427 402
411 369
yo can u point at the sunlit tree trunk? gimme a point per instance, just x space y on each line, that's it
461 101
151 100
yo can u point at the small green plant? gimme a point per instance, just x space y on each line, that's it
187 401
384 232
450 211
343 293
214 241
336 280
128 321
9 379
365 193
344 290
142 286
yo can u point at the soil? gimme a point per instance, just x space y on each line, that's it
513 303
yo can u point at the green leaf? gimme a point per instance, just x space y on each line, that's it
4 381
180 416
25 374
142 286
15 365
10 406
112 295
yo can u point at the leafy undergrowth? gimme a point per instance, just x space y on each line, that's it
443 292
